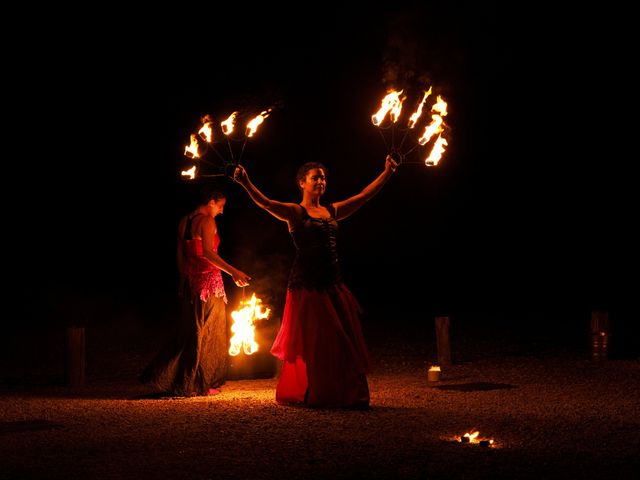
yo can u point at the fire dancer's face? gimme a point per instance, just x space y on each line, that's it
315 182
217 207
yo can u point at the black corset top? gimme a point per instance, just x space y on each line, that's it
316 263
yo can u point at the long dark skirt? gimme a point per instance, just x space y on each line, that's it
195 358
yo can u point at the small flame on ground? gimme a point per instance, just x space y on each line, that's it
243 327
474 437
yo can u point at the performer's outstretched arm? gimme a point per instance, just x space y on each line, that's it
287 212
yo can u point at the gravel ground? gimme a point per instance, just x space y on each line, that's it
551 412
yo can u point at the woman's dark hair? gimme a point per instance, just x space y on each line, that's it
304 169
206 194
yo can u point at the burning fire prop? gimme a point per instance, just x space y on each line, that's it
243 328
391 107
203 144
473 437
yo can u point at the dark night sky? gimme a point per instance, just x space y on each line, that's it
520 215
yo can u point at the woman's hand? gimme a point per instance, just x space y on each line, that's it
240 175
390 164
240 278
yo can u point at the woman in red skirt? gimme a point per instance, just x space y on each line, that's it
320 341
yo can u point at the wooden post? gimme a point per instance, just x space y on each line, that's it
599 335
75 364
442 339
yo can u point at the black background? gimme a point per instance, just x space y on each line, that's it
530 210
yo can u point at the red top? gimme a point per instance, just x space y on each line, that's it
204 277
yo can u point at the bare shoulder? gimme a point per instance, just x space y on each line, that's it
207 222
204 225
294 207
296 216
285 211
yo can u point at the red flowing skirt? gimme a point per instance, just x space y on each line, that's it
320 342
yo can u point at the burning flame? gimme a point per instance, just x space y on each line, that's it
206 133
473 437
253 124
436 124
191 150
191 173
228 124
396 109
416 115
390 103
440 106
434 127
436 152
243 329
